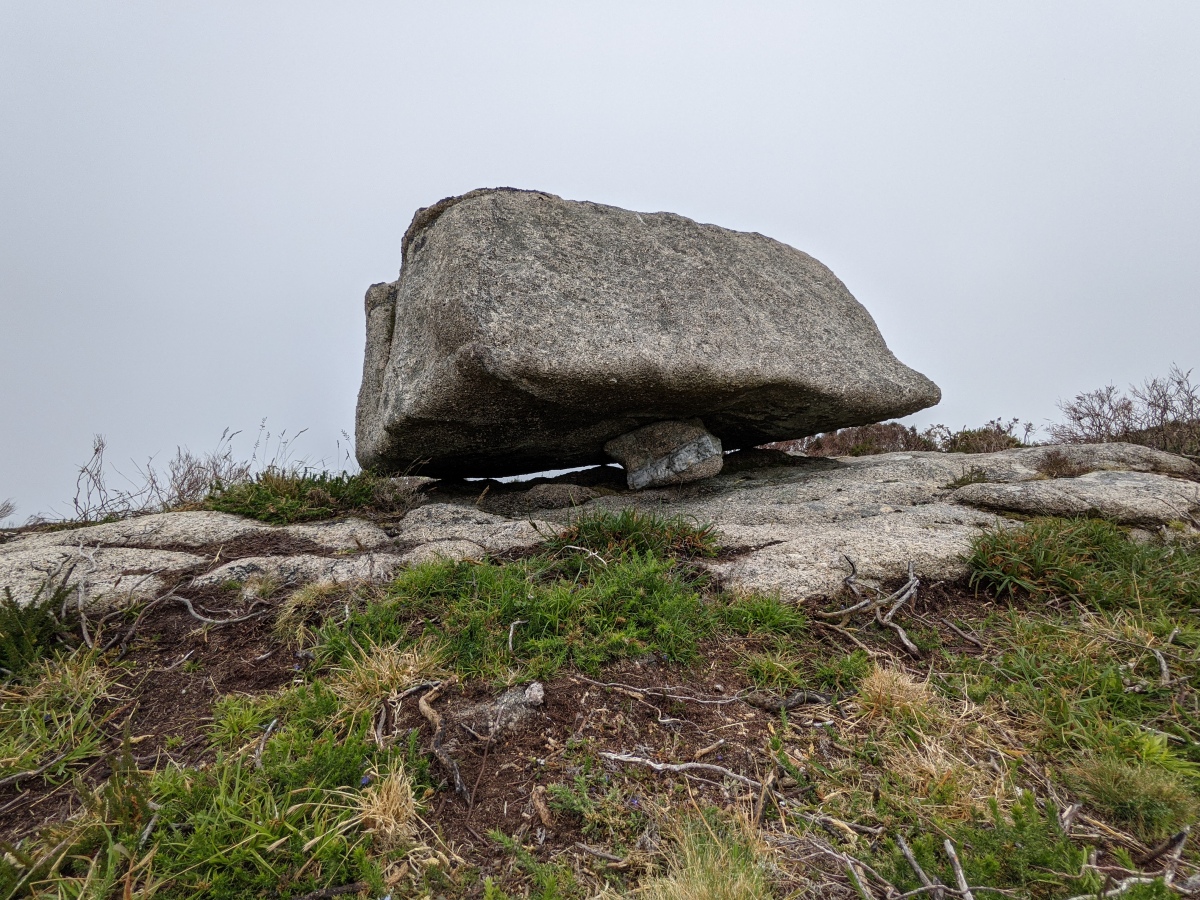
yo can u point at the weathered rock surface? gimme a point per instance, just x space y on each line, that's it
120 561
342 534
103 574
1033 462
1135 498
293 571
192 530
527 331
789 522
799 518
667 453
438 523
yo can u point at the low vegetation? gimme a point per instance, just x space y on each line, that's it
281 497
895 437
1163 412
1047 738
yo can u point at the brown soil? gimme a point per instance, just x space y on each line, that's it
175 669
159 699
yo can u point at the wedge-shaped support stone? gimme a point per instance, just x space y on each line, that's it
666 453
526 331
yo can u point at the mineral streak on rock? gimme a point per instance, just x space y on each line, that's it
526 331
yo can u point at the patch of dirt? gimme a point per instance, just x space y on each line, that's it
173 672
176 669
260 543
640 707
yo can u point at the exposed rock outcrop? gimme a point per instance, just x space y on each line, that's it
526 331
1134 498
788 523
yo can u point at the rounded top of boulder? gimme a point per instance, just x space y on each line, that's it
526 331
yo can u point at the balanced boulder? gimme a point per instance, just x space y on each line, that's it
526 332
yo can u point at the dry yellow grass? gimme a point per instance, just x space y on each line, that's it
388 810
296 610
894 694
76 679
380 672
707 865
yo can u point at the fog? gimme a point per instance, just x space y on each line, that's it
195 196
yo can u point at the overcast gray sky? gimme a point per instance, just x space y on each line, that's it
195 196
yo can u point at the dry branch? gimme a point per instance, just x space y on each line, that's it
682 767
425 704
934 889
963 890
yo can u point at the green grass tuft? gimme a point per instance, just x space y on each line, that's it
1089 560
1151 802
282 497
1026 850
633 531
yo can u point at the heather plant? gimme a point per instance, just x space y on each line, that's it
1163 413
895 437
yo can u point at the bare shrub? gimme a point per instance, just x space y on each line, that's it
992 437
1163 413
191 477
1056 464
7 508
186 482
893 437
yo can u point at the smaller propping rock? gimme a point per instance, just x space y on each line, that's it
667 453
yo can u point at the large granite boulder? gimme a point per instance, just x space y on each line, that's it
526 331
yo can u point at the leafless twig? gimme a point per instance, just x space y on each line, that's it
425 704
603 561
250 615
600 853
970 638
925 880
512 630
963 890
21 776
1164 670
681 767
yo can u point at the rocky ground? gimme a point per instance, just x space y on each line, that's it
791 523
820 738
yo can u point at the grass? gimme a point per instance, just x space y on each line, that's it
52 718
714 859
282 497
1091 561
1151 802
1023 850
238 828
631 531
606 591
1067 700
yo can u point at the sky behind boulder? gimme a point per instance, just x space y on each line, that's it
195 196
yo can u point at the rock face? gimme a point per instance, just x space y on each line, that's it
1134 498
526 331
667 453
